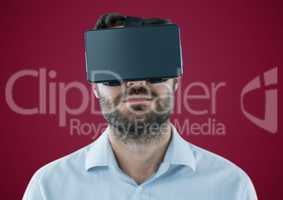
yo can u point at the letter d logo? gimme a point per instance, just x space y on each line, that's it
270 121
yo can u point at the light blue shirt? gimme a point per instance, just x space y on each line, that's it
187 172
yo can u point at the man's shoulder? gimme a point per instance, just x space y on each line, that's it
56 173
209 162
68 164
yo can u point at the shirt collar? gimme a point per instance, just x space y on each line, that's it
179 151
98 151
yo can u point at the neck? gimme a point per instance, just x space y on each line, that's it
140 160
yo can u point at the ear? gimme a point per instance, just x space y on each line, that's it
95 90
177 82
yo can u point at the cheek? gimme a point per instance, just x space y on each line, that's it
164 88
109 92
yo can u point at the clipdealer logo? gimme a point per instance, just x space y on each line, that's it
52 100
269 83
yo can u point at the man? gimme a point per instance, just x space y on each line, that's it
140 155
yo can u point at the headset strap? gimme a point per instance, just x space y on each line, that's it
133 21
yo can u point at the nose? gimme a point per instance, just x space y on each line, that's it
131 83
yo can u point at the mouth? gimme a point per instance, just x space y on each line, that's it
135 100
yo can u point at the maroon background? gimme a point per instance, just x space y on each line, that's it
231 41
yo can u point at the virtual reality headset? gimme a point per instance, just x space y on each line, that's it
148 52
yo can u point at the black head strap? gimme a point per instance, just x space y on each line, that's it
133 21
